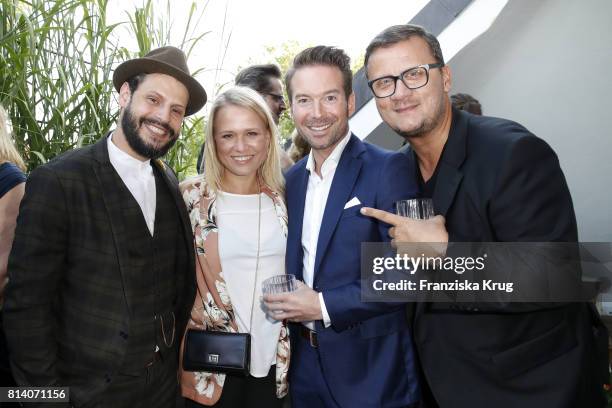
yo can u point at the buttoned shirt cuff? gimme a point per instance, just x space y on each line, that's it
326 319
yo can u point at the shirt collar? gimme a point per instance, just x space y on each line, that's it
333 158
118 156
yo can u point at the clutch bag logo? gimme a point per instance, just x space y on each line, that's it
213 358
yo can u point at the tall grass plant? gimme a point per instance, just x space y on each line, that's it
56 64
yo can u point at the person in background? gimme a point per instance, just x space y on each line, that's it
466 102
101 272
12 187
266 80
239 222
299 147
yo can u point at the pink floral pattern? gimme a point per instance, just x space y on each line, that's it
212 309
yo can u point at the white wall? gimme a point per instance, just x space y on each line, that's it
547 64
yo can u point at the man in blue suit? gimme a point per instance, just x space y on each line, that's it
345 353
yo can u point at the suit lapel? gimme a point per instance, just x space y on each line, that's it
339 194
172 184
449 172
449 179
107 179
296 218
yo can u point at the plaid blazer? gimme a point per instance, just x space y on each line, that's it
67 306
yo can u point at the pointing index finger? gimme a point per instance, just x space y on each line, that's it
381 215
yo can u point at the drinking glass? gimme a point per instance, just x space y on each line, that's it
415 208
279 284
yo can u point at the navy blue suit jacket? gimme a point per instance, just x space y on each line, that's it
366 354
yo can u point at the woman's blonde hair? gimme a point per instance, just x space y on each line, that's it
8 151
270 170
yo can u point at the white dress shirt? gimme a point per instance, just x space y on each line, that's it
138 178
237 219
314 207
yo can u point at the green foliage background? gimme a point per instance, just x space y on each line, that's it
56 63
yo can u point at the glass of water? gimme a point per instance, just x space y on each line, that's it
415 208
279 284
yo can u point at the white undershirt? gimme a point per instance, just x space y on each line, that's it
237 219
317 193
138 178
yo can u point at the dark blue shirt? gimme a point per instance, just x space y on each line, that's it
426 188
10 176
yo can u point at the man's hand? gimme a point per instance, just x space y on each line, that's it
301 305
408 230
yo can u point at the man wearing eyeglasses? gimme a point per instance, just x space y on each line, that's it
491 180
266 80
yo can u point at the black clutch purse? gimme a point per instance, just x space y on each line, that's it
221 352
217 352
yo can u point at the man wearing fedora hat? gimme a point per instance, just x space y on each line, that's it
101 270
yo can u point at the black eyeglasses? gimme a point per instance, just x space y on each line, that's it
413 78
277 97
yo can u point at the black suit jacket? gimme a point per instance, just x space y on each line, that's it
68 255
497 182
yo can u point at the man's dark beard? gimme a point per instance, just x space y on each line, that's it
130 130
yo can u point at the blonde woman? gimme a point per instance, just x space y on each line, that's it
12 187
239 221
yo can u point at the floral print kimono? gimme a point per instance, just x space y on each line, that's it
212 309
